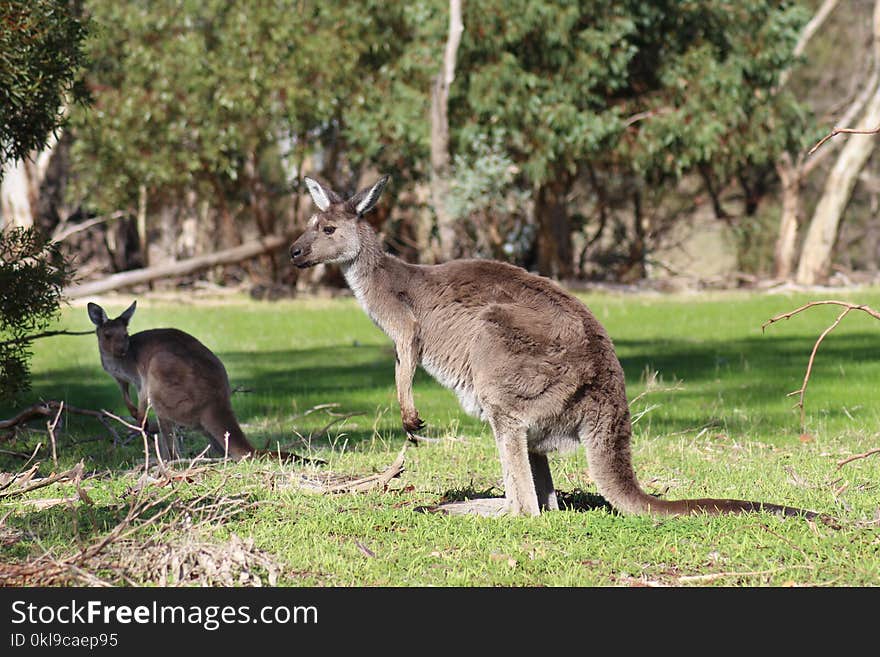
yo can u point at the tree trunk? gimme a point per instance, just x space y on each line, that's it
142 226
815 261
638 269
554 231
440 134
872 238
20 186
786 241
792 172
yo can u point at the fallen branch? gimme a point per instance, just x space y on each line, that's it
847 308
379 480
27 483
48 408
863 455
181 268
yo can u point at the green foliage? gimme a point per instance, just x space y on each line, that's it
485 198
188 95
387 122
32 275
221 103
657 88
40 57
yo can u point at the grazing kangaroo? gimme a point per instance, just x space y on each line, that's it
184 382
518 350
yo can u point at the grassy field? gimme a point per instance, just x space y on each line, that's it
708 393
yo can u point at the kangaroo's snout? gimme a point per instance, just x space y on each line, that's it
299 255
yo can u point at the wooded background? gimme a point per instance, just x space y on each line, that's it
594 140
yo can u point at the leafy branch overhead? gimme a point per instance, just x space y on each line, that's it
33 274
41 54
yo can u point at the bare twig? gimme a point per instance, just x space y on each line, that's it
783 539
647 114
338 418
21 474
51 427
837 131
863 455
140 429
45 409
847 308
44 334
713 576
367 552
14 454
64 231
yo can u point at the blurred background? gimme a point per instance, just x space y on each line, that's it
656 143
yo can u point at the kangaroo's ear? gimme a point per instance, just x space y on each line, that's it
96 314
366 199
322 195
128 312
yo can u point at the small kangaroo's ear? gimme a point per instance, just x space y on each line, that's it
322 195
366 199
128 312
96 314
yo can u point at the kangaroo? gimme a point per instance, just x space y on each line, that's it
519 352
184 382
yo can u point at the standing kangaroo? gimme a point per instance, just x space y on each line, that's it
517 349
184 382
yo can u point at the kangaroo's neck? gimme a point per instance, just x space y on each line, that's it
364 273
379 281
124 368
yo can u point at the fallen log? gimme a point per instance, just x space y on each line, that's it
181 268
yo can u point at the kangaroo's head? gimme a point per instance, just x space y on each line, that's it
332 234
112 333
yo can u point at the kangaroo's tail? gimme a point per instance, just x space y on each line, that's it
228 439
610 462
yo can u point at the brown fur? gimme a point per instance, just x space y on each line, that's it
183 381
518 350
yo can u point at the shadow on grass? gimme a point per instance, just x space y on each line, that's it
749 373
577 500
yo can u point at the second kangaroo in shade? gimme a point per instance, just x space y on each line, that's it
184 382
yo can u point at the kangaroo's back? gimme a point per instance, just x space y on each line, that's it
171 358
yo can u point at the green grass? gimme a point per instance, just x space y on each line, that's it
714 420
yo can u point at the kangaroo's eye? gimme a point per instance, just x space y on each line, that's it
329 230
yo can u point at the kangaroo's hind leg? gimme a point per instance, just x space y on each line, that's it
543 480
167 442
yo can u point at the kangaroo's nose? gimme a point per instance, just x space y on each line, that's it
295 251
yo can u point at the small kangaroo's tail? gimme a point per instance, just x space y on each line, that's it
611 468
228 439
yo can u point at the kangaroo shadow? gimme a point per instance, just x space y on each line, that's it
458 500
